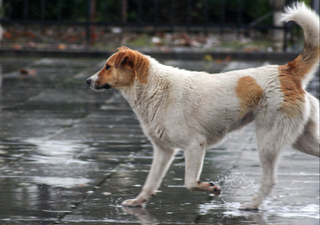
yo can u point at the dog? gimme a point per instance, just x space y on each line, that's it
192 111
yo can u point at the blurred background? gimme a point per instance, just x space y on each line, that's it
160 25
69 155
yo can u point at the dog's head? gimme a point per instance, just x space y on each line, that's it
121 70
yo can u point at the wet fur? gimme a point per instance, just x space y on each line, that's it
192 111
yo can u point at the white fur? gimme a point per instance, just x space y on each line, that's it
306 18
309 21
191 111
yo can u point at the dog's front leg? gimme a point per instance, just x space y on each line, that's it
194 161
162 159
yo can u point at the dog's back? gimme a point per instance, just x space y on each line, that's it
193 110
219 103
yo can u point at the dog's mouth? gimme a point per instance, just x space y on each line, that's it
97 87
105 86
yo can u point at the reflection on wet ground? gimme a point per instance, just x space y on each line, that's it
69 155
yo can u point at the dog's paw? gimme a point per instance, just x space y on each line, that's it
207 186
133 203
214 189
253 205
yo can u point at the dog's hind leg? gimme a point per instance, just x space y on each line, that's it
308 141
272 137
269 154
194 156
162 159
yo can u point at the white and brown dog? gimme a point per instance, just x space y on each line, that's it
191 111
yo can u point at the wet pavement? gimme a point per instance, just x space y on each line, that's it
69 155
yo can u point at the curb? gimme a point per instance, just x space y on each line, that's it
183 55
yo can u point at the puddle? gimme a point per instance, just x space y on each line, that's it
64 182
11 151
306 211
48 151
231 209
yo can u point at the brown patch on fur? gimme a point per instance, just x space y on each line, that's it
249 93
291 87
135 60
291 76
305 61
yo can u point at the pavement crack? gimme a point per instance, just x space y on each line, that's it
94 188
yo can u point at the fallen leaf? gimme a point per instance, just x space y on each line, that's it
32 72
29 34
23 71
73 38
17 47
250 49
62 46
227 59
7 34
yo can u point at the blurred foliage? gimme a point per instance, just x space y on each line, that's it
141 11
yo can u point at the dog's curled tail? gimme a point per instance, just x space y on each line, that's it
306 64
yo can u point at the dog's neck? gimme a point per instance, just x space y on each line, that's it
145 99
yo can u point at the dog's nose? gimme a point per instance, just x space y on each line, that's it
89 81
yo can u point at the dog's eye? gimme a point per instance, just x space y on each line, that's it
108 67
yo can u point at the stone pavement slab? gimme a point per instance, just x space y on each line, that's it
69 155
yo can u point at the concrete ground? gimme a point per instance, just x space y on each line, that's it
69 155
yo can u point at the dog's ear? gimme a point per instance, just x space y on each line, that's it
137 61
123 56
121 59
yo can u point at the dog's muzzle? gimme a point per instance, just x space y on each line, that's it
96 87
